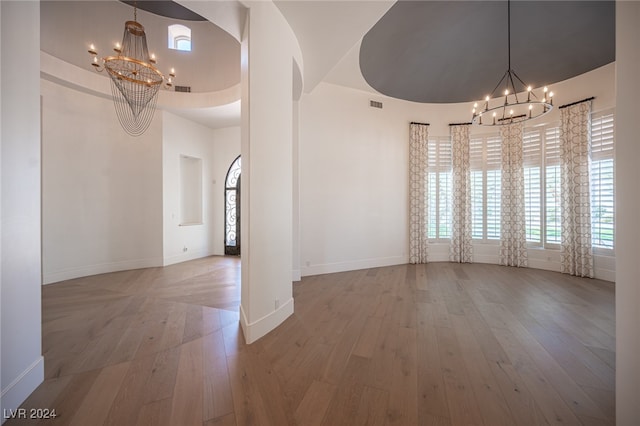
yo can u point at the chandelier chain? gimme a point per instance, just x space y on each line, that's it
512 108
509 32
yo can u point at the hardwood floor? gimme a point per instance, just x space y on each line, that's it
435 344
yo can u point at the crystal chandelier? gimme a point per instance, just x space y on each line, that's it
135 81
510 105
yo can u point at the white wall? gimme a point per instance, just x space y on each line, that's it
102 189
117 173
268 50
184 137
354 174
627 214
226 148
22 366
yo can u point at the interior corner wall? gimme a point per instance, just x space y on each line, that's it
226 148
102 189
182 137
354 169
22 364
268 49
627 207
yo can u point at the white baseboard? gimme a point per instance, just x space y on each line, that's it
184 257
103 268
296 275
19 389
353 265
255 330
486 258
548 260
437 257
605 274
543 264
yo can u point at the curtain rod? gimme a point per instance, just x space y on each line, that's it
424 124
576 102
460 124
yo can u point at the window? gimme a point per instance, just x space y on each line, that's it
602 181
179 37
541 160
439 188
532 161
542 185
541 154
552 186
485 163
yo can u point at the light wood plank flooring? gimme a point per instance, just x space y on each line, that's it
435 344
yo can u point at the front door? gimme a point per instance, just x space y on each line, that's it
232 210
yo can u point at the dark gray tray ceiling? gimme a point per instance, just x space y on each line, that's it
166 8
456 51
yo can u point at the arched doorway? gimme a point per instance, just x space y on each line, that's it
232 209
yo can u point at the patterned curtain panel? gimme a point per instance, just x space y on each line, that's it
576 251
513 244
418 193
461 249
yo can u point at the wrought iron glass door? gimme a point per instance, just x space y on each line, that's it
232 209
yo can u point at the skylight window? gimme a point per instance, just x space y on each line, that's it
179 37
